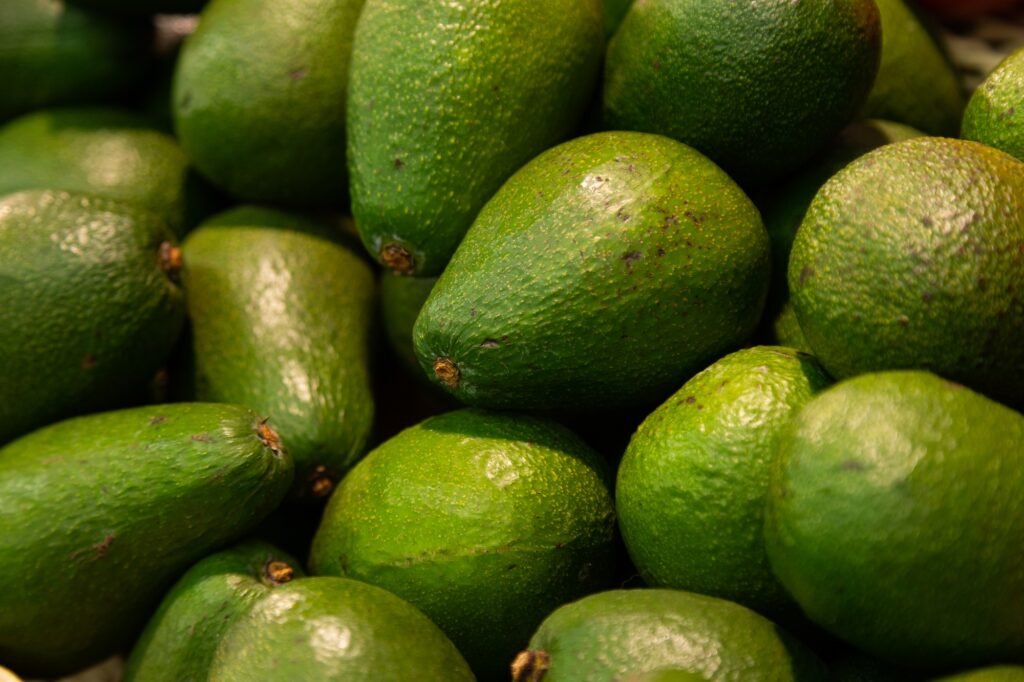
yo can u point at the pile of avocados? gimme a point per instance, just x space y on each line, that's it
529 340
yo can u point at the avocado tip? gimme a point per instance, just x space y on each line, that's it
530 666
320 483
397 258
170 260
269 437
447 372
278 572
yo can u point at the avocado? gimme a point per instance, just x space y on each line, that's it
91 305
664 676
1002 673
759 87
335 630
603 274
142 7
895 506
104 153
692 485
449 99
614 12
259 98
484 521
281 312
52 53
99 514
607 635
995 114
786 329
917 84
910 258
182 636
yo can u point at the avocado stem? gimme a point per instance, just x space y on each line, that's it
397 258
447 372
320 483
269 437
278 572
171 261
530 666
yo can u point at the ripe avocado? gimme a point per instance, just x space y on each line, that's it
401 299
52 53
692 485
995 114
911 258
91 305
448 99
335 630
759 87
603 274
281 313
894 513
259 98
484 521
99 514
610 634
105 153
182 636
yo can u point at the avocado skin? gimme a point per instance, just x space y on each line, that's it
995 114
401 299
99 514
641 630
604 274
759 87
614 12
281 316
88 312
52 53
259 98
910 258
182 636
449 99
334 629
105 153
881 485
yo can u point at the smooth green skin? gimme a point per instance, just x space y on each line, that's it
995 114
401 299
181 638
99 514
910 258
88 313
142 7
614 13
52 54
604 636
1007 673
484 521
105 153
692 485
333 629
448 100
881 486
759 87
916 83
259 98
281 318
604 273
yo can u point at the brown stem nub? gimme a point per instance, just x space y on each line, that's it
269 437
530 666
447 372
278 572
320 483
397 258
170 260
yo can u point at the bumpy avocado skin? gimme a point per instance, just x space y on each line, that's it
52 53
182 636
995 114
603 274
449 99
91 306
609 634
281 316
334 629
910 258
876 501
99 514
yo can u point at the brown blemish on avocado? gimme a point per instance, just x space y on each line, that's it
158 419
490 343
268 436
99 550
320 482
171 261
297 74
202 438
447 372
399 164
278 572
397 258
530 666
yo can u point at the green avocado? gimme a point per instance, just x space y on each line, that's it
91 305
401 299
895 508
99 514
335 630
484 521
759 87
448 99
281 314
1003 673
104 153
910 258
142 7
692 485
52 53
603 274
182 636
605 636
995 114
614 12
259 98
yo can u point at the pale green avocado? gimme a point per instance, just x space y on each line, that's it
995 114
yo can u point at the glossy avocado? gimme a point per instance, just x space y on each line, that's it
99 514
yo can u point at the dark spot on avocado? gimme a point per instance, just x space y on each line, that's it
660 252
158 419
399 164
690 400
89 361
928 296
98 550
927 221
185 100
622 215
511 567
297 74
202 438
852 465
490 343
631 257
805 274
